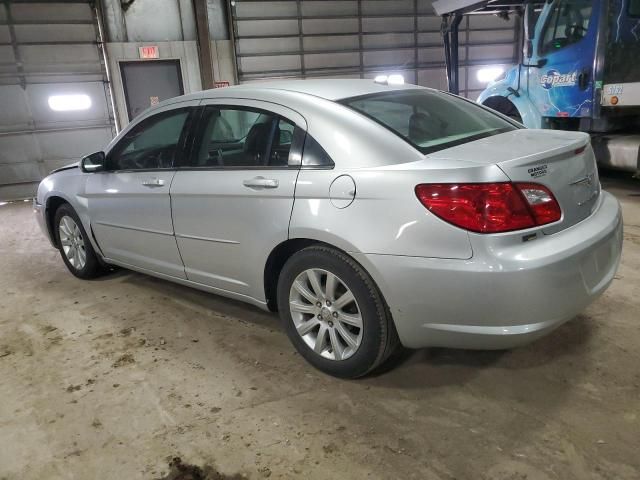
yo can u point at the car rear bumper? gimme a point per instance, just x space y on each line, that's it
501 298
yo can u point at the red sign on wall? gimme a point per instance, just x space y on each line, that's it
149 52
222 84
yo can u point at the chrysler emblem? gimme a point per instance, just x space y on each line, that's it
586 180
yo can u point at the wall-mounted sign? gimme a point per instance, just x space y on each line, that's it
149 52
154 101
221 84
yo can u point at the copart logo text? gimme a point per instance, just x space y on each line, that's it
554 78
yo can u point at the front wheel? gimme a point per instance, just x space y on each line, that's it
334 314
75 248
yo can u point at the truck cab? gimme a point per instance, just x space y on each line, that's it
578 71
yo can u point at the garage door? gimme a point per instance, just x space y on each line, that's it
360 39
53 91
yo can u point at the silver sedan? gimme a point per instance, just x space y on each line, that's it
369 215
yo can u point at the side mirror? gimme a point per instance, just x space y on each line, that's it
528 49
93 163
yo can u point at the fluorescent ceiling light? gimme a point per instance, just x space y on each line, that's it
489 74
67 103
395 79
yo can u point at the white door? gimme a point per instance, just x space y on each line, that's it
129 203
232 204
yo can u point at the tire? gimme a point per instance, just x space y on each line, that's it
66 221
357 335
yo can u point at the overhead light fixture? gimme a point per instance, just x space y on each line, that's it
489 74
393 79
68 103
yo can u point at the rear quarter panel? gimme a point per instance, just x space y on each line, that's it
385 217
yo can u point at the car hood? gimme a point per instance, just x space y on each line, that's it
66 167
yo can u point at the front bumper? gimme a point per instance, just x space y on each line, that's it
501 298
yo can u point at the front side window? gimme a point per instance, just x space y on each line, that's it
151 144
634 8
242 137
430 120
568 23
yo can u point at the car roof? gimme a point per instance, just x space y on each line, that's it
329 89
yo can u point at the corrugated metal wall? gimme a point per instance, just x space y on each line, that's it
48 49
363 38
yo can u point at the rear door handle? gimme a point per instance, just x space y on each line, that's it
261 182
156 182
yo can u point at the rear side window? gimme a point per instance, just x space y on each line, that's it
430 120
313 155
634 8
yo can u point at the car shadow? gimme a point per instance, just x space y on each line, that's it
405 369
415 368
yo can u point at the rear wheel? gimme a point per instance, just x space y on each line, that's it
334 314
75 248
505 106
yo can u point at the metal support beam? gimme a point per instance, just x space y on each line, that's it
450 28
204 43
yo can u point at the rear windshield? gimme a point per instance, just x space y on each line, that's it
430 120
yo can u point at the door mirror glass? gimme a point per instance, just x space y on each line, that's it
529 24
528 49
93 163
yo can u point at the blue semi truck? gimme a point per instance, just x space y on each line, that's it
579 69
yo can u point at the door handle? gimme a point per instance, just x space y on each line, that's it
583 79
261 182
156 182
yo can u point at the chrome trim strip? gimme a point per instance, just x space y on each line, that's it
126 227
206 239
586 180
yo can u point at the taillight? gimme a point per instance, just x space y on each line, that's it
542 203
490 207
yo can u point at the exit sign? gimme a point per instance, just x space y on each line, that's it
149 52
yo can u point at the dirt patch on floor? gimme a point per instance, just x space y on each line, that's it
184 471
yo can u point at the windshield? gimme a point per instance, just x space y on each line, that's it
430 120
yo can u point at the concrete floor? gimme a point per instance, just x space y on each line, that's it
112 378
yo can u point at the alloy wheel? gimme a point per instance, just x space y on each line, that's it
325 314
72 242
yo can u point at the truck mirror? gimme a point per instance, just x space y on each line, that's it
528 48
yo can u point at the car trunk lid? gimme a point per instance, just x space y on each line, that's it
561 161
